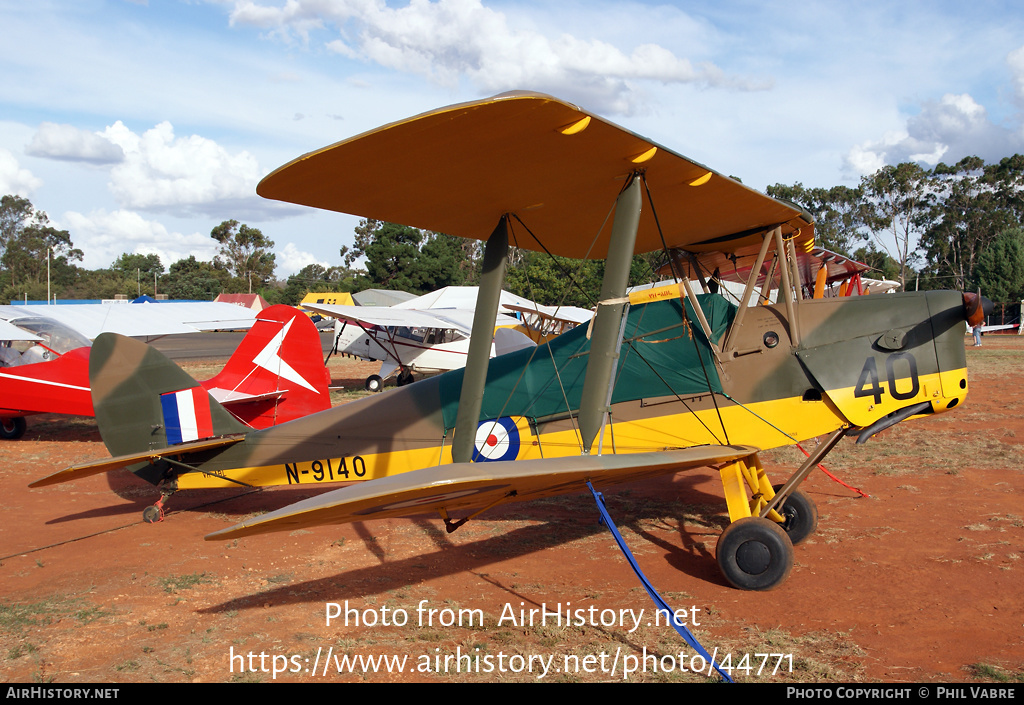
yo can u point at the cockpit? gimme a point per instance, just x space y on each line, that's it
53 339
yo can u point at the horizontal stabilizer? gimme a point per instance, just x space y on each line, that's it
226 397
97 467
474 485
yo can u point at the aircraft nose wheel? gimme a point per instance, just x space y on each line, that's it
801 514
755 554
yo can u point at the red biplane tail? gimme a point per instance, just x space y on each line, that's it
277 373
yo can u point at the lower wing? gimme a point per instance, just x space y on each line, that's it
474 485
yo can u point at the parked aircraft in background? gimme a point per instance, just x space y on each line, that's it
139 320
275 375
541 323
665 382
427 334
410 341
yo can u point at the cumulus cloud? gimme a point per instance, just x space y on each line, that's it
13 179
447 41
290 259
946 130
104 236
162 172
70 143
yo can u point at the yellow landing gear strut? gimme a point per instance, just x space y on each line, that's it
755 552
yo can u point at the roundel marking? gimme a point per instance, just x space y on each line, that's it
496 439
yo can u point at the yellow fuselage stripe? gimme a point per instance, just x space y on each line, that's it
765 425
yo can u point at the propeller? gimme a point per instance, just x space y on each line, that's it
976 307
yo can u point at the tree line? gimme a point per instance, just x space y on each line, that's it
36 258
950 227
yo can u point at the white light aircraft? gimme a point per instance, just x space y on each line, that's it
410 340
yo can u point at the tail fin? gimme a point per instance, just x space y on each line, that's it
143 401
277 373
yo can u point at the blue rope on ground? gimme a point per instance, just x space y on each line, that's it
688 636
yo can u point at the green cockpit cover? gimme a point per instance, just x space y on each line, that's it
661 355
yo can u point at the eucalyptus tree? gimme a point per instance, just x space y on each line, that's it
245 252
897 210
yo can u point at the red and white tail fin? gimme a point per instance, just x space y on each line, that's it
277 373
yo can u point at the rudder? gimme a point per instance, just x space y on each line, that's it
277 373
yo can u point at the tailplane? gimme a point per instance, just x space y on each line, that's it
277 373
152 416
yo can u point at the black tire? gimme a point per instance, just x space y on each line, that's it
755 554
801 514
374 383
12 428
151 514
404 377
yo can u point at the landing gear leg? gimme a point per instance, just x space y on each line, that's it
754 552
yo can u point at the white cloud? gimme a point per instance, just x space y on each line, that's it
447 41
290 259
161 172
69 143
13 179
104 236
947 130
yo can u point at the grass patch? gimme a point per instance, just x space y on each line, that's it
173 583
997 674
16 618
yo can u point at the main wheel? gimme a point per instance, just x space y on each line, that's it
801 514
12 428
374 383
755 554
404 377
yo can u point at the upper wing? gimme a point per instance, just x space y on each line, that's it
468 485
458 170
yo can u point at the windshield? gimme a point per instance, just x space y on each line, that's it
55 336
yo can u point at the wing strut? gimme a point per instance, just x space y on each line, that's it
474 378
607 321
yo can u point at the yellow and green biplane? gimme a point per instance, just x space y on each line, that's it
661 381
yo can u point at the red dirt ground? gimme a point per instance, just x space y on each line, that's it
921 582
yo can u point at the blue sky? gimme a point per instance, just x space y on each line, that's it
140 126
